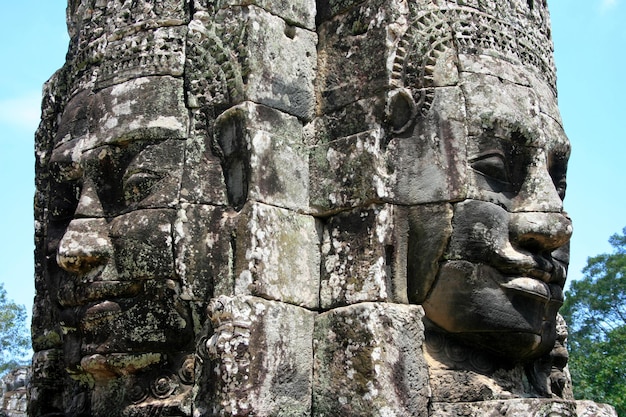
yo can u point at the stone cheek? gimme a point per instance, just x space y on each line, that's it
204 246
428 160
368 362
143 244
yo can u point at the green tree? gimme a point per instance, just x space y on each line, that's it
14 334
595 309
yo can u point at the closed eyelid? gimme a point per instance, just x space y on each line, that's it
492 164
137 184
488 154
146 173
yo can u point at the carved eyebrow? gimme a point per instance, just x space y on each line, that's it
487 145
488 153
492 164
143 171
144 161
152 133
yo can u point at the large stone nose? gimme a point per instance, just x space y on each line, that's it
538 193
89 204
84 246
540 232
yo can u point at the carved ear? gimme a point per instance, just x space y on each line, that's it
401 110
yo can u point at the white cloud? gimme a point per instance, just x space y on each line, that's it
607 5
21 112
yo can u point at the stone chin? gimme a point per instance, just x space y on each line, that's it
507 316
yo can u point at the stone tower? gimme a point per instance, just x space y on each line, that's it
300 208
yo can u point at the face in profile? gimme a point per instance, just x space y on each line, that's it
497 280
112 214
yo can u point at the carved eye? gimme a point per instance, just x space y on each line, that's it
492 165
137 185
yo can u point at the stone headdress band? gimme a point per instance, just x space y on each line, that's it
458 29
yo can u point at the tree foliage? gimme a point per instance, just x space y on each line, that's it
14 334
595 309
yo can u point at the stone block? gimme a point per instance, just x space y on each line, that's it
487 65
368 362
538 407
203 179
356 50
495 103
591 409
348 172
295 12
246 53
113 18
358 117
132 53
461 374
362 259
13 387
258 359
47 382
140 384
331 8
274 47
264 157
277 255
45 328
146 108
548 103
113 42
204 249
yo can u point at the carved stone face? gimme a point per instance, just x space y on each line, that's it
115 188
499 276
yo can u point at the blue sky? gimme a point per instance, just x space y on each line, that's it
589 38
